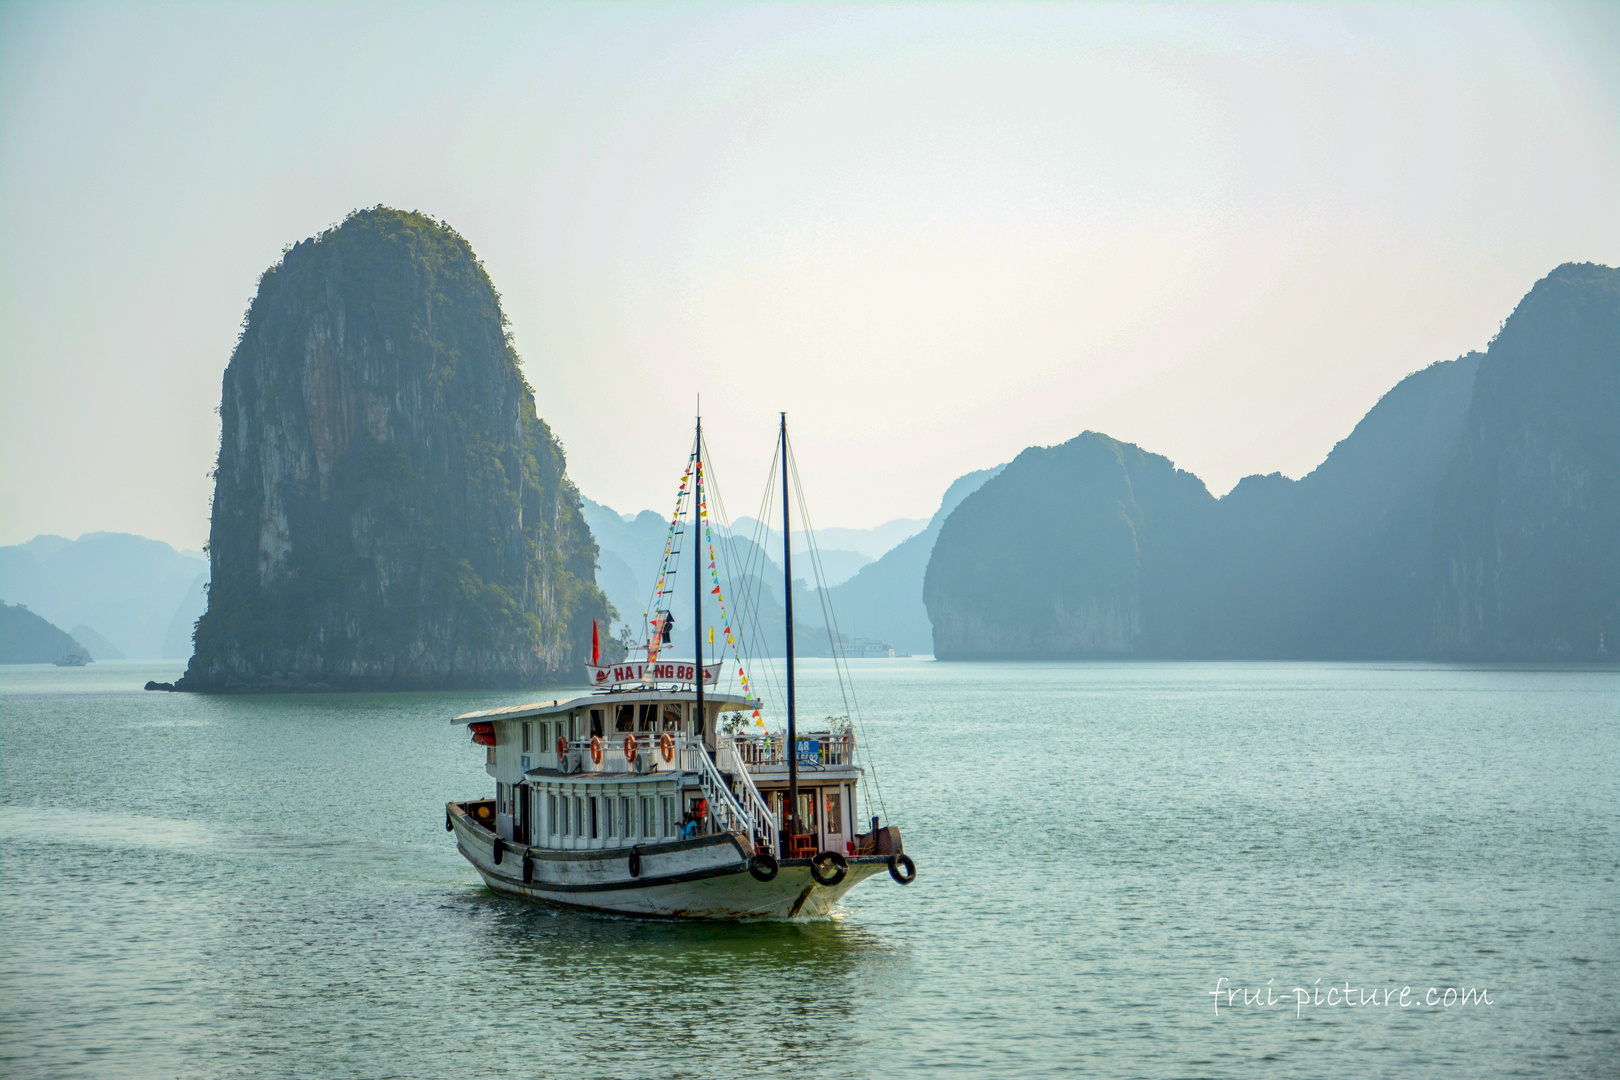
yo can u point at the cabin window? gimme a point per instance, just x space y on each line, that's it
489 756
551 813
610 820
526 738
807 810
596 722
624 816
669 815
672 718
646 816
647 718
834 810
596 824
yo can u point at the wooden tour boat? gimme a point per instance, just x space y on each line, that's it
654 796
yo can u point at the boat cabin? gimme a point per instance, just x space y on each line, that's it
622 767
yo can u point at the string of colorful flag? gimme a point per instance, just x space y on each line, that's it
725 618
654 638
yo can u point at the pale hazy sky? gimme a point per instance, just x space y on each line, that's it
935 235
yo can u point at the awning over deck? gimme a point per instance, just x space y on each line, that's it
626 697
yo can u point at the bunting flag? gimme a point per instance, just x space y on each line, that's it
687 497
666 570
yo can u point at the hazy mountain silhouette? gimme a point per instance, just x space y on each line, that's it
885 599
1473 512
26 638
1527 542
627 570
128 589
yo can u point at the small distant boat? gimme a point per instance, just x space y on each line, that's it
652 796
871 648
78 657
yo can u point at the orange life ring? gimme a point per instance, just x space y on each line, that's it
666 746
562 746
630 748
596 749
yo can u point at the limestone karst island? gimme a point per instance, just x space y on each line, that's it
389 510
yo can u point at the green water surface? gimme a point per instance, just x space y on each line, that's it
263 887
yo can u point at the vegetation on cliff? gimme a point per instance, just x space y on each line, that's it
389 510
1473 513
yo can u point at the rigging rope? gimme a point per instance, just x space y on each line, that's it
846 684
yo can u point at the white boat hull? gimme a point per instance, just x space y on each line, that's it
704 878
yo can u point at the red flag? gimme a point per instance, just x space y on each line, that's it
596 646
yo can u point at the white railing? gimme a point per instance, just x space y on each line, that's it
764 821
817 750
722 803
751 816
613 759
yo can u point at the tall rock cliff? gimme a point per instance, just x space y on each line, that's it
1073 550
389 511
1527 540
1473 512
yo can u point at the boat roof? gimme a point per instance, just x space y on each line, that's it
617 697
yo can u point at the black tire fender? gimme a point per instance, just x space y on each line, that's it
528 870
839 864
763 866
902 869
498 851
447 826
635 863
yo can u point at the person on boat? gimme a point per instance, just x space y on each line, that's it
689 826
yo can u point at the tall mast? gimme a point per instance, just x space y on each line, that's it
787 589
697 575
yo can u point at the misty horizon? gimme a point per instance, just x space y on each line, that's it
930 234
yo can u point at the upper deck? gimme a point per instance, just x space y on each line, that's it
589 734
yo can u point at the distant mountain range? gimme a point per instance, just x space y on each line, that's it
1474 513
123 595
874 576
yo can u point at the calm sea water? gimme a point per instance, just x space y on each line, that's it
262 887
